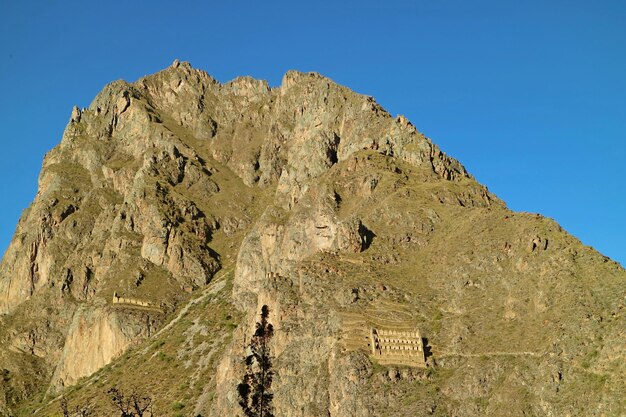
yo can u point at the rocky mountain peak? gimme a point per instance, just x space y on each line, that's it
176 208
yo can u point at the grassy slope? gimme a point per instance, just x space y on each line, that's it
175 367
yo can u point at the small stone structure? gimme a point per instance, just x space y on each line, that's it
396 347
133 301
272 275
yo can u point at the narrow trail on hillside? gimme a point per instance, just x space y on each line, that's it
214 287
488 354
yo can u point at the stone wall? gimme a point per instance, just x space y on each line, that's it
133 301
397 347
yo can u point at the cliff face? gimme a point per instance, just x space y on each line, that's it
206 201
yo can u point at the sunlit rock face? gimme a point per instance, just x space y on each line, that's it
176 207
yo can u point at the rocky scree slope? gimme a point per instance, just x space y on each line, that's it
199 202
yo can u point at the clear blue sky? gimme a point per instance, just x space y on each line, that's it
529 95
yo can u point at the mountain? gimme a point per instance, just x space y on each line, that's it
176 208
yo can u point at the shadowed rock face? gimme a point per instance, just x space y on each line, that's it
313 200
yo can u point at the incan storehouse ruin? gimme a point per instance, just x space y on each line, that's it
395 347
132 301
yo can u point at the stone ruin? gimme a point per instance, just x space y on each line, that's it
272 276
396 347
133 301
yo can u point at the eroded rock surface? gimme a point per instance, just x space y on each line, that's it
313 200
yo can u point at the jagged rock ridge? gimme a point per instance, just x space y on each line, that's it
313 200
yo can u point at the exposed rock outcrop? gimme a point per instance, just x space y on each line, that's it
175 207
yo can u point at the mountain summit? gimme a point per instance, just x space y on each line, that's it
183 225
